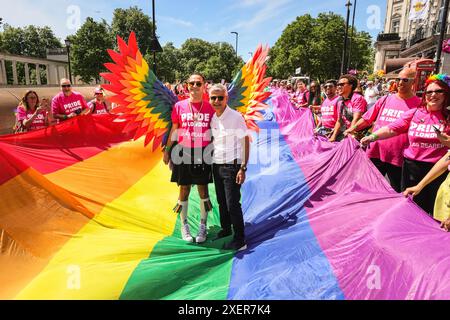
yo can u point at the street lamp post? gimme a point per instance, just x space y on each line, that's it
351 38
441 37
344 53
67 42
154 43
237 37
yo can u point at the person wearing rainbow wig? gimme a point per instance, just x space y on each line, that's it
423 124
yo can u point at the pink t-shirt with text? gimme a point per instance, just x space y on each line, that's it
193 132
423 142
38 122
100 108
329 112
385 111
66 105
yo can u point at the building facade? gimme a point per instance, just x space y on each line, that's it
403 39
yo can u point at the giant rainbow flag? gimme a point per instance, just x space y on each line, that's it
85 213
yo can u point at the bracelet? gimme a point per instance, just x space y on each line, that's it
374 136
354 127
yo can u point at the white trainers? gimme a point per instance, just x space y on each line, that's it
201 236
186 233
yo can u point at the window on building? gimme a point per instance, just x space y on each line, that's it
395 26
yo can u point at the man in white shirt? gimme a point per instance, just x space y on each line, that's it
231 151
371 94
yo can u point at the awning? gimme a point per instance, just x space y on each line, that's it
392 65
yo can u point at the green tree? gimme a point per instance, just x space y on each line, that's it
167 63
28 41
216 61
315 45
89 49
133 19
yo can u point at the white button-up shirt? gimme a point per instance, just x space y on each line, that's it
228 131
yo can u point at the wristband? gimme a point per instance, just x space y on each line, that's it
354 127
374 136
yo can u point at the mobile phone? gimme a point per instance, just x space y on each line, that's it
436 129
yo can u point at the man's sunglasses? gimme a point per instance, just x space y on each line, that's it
195 84
429 93
328 86
66 85
405 80
341 84
214 98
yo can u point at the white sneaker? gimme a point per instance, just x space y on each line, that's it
186 233
202 233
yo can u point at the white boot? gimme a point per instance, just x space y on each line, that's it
186 233
202 233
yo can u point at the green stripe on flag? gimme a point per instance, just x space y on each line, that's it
179 270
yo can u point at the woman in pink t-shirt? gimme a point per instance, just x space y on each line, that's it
31 114
299 97
442 204
425 148
98 105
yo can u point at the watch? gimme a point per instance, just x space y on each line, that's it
244 168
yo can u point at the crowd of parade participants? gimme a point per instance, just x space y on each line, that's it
406 137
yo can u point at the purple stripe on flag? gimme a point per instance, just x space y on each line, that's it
379 244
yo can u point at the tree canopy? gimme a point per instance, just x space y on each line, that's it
29 41
316 45
88 49
133 19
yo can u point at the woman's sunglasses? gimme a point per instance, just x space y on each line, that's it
439 91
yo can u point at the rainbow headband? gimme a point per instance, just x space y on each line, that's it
440 77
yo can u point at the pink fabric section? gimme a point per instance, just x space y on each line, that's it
379 244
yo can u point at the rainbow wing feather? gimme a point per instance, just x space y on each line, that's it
246 93
143 101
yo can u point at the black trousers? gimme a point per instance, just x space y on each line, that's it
412 173
393 173
229 197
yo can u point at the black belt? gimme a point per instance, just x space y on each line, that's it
235 162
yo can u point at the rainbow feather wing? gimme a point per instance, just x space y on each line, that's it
246 93
143 101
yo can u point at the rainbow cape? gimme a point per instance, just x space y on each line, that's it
86 214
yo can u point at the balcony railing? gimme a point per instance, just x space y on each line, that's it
388 37
418 36
56 52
